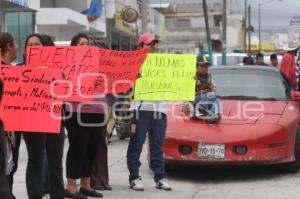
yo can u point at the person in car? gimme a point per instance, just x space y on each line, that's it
206 103
260 60
274 60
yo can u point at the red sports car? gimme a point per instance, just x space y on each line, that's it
259 124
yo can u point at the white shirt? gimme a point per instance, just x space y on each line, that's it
158 106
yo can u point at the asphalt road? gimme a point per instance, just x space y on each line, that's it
187 182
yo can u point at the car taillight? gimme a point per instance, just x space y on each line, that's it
185 149
240 150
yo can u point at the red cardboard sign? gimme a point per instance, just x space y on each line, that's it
119 69
27 103
75 62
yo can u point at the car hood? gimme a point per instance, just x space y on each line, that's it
254 118
249 112
240 112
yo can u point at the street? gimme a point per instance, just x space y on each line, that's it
187 182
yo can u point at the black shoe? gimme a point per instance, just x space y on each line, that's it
107 187
98 187
92 193
102 187
76 195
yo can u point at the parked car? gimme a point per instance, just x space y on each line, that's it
259 125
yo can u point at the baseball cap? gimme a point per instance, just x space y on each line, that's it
147 38
202 60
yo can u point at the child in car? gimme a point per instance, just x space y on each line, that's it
207 104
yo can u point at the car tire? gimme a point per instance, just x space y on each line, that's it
169 167
294 167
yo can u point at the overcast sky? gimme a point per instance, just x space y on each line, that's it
275 15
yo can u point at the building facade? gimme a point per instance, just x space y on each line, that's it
185 29
17 18
62 19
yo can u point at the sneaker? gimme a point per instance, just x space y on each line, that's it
163 184
137 184
196 114
212 118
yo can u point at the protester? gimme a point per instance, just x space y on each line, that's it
206 103
288 66
298 68
45 171
99 177
34 40
37 143
259 61
84 131
151 118
9 49
5 189
274 60
248 60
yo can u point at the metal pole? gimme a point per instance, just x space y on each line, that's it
259 26
245 26
224 24
209 44
144 16
249 28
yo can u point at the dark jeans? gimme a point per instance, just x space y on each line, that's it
83 144
99 176
155 124
36 144
45 174
5 189
15 151
5 186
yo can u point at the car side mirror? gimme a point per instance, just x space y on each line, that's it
295 95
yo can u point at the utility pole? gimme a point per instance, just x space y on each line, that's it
144 9
245 26
224 35
259 32
208 38
249 28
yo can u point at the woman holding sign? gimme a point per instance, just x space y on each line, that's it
84 130
151 118
9 49
37 143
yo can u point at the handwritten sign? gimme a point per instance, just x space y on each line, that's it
167 77
27 103
74 62
119 69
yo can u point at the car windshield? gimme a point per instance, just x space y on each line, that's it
250 84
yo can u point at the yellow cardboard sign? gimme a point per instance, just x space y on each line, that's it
167 77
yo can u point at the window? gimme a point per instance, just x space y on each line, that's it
20 25
252 83
183 23
217 20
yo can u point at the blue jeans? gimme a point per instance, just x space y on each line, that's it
155 124
208 102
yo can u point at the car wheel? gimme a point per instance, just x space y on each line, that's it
169 167
294 167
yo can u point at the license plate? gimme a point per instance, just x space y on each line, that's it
211 151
